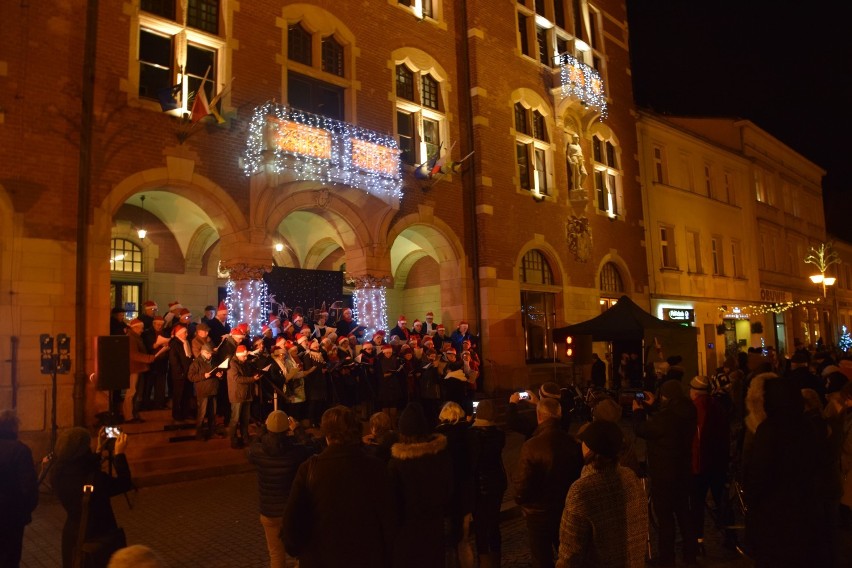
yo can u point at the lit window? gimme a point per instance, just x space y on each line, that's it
532 151
667 247
607 176
125 256
535 269
173 54
421 125
421 8
611 281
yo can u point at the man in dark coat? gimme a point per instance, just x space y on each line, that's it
340 509
669 434
277 456
241 379
550 462
18 489
801 375
779 474
598 371
206 379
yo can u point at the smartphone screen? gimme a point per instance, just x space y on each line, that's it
112 431
523 395
640 396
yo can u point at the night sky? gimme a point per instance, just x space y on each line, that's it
785 66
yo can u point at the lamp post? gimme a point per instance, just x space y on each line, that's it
822 258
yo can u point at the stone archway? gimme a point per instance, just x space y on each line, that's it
429 269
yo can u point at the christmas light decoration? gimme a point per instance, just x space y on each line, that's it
845 341
317 148
247 301
582 81
369 302
754 310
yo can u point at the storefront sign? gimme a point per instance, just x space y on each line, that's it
774 296
679 314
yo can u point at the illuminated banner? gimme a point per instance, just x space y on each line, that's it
301 139
375 158
582 81
679 314
316 148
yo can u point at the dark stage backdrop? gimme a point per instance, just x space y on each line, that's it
292 288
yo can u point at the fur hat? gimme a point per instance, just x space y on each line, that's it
603 437
550 390
277 422
412 421
699 383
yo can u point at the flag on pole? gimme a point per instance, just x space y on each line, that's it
215 100
424 170
200 106
439 165
169 97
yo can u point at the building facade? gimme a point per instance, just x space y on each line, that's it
776 203
475 158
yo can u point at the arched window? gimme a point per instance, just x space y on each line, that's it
535 269
125 256
611 282
538 307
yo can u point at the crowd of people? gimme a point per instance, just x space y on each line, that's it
415 491
207 369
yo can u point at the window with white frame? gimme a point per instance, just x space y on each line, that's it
421 8
316 72
708 180
717 256
667 247
125 256
660 175
532 150
693 252
420 118
548 28
178 44
607 175
737 258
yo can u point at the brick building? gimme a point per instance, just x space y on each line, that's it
516 239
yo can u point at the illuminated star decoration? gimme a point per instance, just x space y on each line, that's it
317 148
584 82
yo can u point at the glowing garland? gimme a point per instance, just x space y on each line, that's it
317 148
583 82
247 302
778 308
370 308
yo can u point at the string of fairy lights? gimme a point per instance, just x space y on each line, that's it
370 309
582 81
317 148
777 308
247 302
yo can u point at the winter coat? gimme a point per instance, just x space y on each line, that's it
204 386
316 387
485 447
779 476
550 462
711 444
340 511
139 357
456 434
421 481
669 434
179 360
389 388
68 480
18 484
429 382
605 521
239 382
277 457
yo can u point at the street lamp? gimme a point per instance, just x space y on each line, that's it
822 258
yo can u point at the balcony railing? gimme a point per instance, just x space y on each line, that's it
582 81
316 148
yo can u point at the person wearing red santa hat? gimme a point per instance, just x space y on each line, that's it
240 381
314 364
390 388
417 330
440 338
149 310
180 358
402 332
219 327
429 325
459 335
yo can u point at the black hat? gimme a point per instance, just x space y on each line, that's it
412 421
603 437
117 311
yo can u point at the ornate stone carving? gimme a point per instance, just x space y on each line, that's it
579 238
367 281
322 197
245 271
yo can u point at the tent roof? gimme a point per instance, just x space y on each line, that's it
625 321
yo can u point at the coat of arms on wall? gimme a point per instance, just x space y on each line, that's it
580 238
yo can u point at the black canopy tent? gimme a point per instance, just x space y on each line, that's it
626 321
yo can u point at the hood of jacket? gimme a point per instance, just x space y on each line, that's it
435 444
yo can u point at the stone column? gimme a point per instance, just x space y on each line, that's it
247 299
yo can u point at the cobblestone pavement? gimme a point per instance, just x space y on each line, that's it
214 522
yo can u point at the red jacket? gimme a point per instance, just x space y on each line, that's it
711 444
